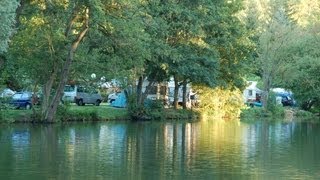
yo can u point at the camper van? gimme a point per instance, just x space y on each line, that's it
81 95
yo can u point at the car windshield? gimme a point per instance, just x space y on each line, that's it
69 88
17 96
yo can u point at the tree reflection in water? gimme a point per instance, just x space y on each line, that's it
161 150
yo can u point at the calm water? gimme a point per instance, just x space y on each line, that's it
154 150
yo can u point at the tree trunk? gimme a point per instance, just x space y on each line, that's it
184 94
176 93
46 95
52 109
139 90
50 115
266 89
147 91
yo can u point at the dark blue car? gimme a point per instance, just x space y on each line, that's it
22 100
286 99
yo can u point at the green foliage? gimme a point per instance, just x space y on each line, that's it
5 117
220 103
4 102
304 114
4 107
154 104
301 75
135 110
251 114
305 13
286 39
65 114
272 110
7 19
118 45
202 42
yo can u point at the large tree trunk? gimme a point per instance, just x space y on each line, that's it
52 109
176 93
46 95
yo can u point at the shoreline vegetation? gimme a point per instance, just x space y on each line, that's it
73 113
285 113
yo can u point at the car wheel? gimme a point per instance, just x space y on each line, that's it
98 102
28 106
111 101
80 102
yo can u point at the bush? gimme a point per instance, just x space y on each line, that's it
220 103
275 109
302 113
251 113
65 114
149 110
154 104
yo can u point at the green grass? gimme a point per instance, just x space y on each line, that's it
71 112
14 115
104 111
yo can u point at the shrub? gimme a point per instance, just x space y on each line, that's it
65 114
302 113
273 108
220 103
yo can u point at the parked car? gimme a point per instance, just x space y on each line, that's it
286 100
81 95
22 100
7 93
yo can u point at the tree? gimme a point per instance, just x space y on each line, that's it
205 43
50 33
304 13
282 28
273 32
200 42
301 75
7 19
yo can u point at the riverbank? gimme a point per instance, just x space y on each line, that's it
104 112
278 113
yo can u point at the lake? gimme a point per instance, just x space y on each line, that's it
161 150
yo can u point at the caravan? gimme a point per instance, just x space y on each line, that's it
252 94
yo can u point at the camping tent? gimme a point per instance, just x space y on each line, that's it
121 101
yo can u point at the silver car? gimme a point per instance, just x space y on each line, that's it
82 95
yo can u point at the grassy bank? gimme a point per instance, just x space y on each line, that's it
279 112
103 112
67 113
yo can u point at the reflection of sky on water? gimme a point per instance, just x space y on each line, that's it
112 143
20 143
111 136
20 139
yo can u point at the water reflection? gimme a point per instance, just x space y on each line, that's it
161 150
